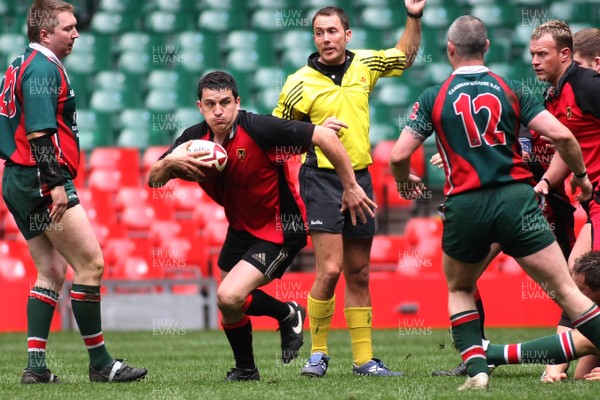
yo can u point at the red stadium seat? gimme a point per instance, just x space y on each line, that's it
129 195
161 231
137 219
186 258
385 252
385 189
118 250
214 234
206 212
12 269
150 156
16 260
3 208
382 154
79 181
124 160
10 228
98 205
424 246
186 199
102 232
106 180
162 200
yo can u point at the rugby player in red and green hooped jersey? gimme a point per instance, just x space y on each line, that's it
38 140
476 117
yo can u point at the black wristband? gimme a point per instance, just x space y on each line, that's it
416 16
547 181
581 175
44 152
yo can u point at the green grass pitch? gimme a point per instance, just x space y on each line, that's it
192 364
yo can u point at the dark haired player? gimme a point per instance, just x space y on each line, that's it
333 90
257 193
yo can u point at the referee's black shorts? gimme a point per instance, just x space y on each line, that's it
321 190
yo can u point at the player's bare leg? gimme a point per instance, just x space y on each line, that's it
466 325
549 270
74 239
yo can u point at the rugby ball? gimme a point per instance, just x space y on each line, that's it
216 158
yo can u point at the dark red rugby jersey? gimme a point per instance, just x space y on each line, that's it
576 103
255 188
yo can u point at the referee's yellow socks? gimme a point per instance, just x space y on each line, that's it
359 325
320 313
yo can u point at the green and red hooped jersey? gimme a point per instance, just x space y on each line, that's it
476 116
36 96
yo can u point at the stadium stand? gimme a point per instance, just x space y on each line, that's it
135 69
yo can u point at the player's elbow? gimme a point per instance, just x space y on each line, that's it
563 138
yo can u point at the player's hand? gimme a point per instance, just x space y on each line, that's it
358 203
184 163
335 124
554 377
59 203
436 161
594 375
412 189
415 6
542 188
585 185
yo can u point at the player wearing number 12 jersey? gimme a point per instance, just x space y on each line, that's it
476 115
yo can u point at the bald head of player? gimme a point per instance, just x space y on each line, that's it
467 41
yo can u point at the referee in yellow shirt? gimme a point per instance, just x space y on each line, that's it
333 90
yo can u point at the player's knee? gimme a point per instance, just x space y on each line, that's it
329 276
92 270
55 276
229 300
358 276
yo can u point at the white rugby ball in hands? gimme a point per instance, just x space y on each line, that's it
217 156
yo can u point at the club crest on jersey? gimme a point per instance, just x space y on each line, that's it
568 112
241 154
415 109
